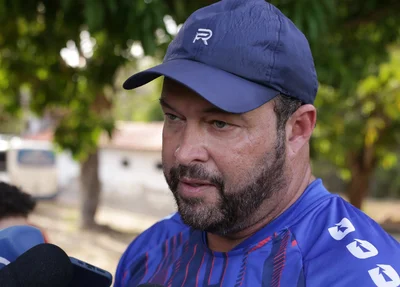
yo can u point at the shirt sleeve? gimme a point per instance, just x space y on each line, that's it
351 250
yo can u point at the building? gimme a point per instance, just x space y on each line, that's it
130 169
132 158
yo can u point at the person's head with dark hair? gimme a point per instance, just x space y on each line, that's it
15 205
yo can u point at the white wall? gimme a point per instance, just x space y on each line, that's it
139 187
140 174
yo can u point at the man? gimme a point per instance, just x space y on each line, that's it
15 207
238 102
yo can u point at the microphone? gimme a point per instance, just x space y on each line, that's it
44 265
16 240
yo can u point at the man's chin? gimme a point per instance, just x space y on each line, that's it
200 219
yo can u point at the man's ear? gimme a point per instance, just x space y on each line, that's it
300 127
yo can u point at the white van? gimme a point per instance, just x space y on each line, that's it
31 165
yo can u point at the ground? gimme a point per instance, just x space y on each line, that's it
99 248
103 249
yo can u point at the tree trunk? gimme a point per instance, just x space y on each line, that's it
359 185
90 190
362 165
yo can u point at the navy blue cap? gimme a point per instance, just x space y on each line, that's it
238 55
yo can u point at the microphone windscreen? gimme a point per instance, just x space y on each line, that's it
43 265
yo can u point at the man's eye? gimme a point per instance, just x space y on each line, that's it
171 117
220 124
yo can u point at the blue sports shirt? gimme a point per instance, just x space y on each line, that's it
321 240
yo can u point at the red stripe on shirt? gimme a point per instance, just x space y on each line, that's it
187 266
226 265
198 272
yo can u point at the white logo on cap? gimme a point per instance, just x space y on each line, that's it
204 35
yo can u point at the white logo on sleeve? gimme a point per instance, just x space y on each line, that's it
362 249
341 229
204 35
384 276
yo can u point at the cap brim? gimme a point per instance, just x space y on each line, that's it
224 90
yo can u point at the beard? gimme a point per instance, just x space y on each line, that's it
237 203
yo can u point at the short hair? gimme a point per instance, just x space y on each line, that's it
284 108
14 202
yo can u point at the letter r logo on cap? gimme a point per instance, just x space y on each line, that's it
204 35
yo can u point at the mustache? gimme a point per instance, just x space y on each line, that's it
195 171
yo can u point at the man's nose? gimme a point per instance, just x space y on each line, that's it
192 147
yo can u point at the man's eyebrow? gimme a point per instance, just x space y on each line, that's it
164 104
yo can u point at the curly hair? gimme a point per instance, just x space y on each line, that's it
14 202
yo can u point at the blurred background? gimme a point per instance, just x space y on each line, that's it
89 152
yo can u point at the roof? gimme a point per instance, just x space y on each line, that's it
135 136
127 136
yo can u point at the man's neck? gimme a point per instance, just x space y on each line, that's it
13 221
280 204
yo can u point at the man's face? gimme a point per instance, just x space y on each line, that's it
220 167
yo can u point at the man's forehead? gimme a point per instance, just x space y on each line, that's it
174 87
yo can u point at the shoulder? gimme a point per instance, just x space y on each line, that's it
342 246
333 222
150 238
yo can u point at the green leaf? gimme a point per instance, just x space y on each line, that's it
389 160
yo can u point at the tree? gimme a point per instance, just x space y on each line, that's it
357 103
364 131
99 34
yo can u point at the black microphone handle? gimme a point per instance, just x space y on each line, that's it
8 278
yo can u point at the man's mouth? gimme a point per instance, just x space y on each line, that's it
192 187
195 182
